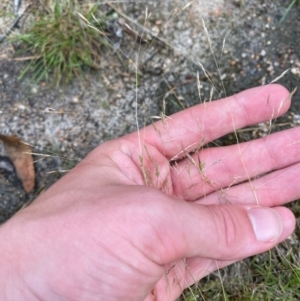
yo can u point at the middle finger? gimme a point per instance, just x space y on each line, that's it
216 168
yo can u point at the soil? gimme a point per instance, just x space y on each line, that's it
64 124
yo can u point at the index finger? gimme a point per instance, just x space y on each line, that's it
189 129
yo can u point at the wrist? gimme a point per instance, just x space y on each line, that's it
12 285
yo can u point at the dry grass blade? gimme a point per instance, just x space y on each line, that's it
280 76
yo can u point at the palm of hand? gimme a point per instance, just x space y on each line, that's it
122 211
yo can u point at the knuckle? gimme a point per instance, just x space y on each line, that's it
229 231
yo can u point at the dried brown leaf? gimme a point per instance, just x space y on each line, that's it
20 155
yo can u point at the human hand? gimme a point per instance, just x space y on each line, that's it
144 216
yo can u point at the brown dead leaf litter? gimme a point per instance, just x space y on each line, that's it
20 154
62 125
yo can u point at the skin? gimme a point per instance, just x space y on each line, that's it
126 224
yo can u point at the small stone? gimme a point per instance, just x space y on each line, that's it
223 76
75 99
21 107
263 52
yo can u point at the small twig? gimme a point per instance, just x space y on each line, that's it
131 32
13 24
27 58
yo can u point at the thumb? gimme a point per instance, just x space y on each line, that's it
224 232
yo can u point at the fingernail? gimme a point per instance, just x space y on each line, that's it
266 223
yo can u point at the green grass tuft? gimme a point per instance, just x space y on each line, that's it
292 3
270 276
63 40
